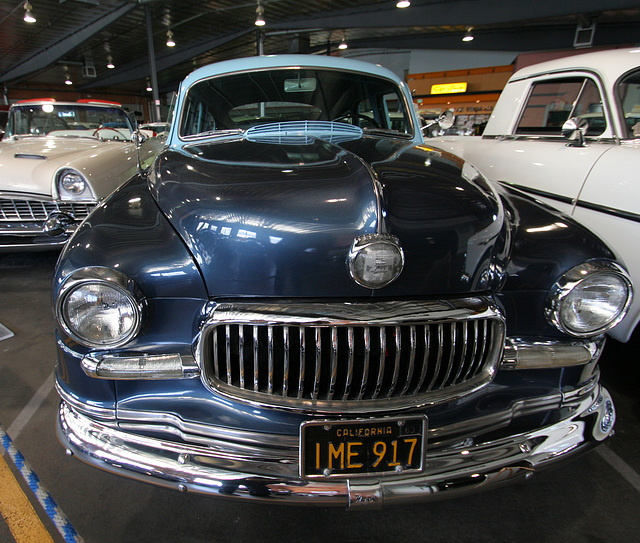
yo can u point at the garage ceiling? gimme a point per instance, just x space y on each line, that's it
77 36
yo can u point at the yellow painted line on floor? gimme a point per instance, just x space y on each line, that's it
17 511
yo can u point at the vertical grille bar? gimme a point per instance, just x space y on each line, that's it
216 357
350 362
270 359
474 350
285 362
256 361
383 356
316 381
438 362
227 340
396 366
367 356
334 362
425 360
412 360
463 355
241 355
452 350
303 352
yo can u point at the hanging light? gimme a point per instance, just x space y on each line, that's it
468 36
67 79
149 88
28 16
403 4
343 44
170 42
260 15
110 63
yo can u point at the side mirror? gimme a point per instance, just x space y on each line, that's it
138 138
445 121
574 130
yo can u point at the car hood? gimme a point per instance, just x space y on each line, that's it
279 220
29 164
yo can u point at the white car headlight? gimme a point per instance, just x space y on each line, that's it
99 308
73 186
590 299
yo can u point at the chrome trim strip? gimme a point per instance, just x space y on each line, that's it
149 366
246 473
521 353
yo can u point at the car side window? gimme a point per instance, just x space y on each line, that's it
553 102
629 94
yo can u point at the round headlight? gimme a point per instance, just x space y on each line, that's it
375 260
73 183
590 299
99 313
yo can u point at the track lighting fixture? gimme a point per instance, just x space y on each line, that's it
260 15
28 15
170 42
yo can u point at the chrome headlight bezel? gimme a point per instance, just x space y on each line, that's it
77 189
108 279
578 277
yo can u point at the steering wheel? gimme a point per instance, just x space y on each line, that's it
359 119
96 132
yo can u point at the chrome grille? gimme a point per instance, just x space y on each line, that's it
334 361
35 210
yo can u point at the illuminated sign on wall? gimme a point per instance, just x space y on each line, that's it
448 88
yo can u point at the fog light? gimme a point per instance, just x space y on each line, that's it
375 260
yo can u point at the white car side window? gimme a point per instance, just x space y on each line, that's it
552 102
629 93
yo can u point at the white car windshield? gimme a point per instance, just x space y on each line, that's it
241 101
69 120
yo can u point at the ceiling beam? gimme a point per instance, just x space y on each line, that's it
55 51
449 13
136 69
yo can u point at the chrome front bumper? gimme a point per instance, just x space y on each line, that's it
268 472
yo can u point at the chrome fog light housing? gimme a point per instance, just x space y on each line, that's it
375 260
590 299
100 308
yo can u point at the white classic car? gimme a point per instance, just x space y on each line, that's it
568 132
57 161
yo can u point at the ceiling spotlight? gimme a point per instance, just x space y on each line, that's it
260 15
468 36
170 42
110 63
403 4
28 16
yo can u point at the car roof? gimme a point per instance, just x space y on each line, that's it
284 61
610 63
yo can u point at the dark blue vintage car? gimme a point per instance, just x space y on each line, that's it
301 301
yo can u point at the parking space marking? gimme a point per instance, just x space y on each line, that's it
17 511
29 410
617 463
45 499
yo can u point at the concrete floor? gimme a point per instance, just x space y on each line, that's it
595 498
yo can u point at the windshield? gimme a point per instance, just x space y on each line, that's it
241 101
78 120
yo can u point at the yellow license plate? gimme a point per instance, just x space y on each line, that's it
362 447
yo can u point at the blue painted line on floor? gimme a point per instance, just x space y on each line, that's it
45 499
